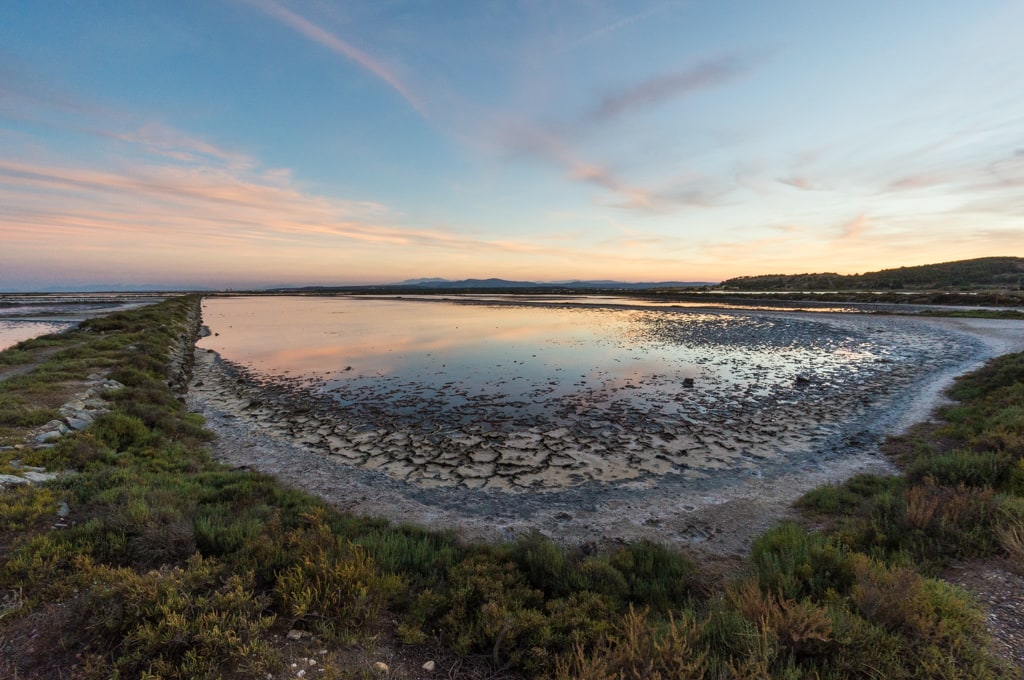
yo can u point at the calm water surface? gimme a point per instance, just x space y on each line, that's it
505 396
394 356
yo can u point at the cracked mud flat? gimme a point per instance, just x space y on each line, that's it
608 458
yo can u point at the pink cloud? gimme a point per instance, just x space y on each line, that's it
332 42
163 140
856 228
910 182
702 76
798 182
550 148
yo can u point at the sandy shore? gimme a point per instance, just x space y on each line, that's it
712 482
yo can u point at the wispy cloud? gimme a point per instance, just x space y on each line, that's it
799 182
163 140
623 22
553 149
856 228
332 42
701 76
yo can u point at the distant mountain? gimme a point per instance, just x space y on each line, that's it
495 285
979 273
475 284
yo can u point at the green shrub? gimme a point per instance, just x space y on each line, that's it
120 432
420 556
546 566
638 649
16 411
969 468
26 506
798 564
657 577
333 586
849 496
943 632
492 610
195 622
79 453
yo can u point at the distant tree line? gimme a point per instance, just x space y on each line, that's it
980 273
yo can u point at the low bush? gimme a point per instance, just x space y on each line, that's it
192 622
797 564
120 431
332 586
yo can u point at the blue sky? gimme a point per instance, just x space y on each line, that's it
263 142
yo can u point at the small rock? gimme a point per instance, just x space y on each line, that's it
51 436
12 480
78 423
17 464
380 667
294 634
63 511
429 666
39 477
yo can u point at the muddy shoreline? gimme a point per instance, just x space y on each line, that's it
285 428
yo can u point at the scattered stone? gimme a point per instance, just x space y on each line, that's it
294 634
48 437
78 423
380 667
429 666
63 511
39 477
12 480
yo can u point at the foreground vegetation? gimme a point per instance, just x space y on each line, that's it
169 565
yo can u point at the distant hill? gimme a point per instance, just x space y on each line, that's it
483 285
980 273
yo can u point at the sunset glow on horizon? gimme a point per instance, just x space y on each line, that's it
259 143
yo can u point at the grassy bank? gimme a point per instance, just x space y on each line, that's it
147 559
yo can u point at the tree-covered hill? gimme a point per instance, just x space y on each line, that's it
980 273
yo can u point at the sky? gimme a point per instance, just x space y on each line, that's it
255 143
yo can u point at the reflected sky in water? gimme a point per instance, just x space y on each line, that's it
14 331
397 355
